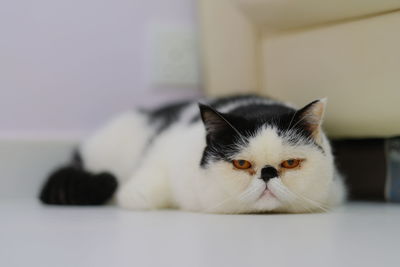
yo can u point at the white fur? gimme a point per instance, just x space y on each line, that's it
167 173
118 146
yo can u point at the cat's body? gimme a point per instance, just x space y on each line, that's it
231 157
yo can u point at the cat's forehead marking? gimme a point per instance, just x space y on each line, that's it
268 146
264 145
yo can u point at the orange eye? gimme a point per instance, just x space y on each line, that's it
290 163
241 164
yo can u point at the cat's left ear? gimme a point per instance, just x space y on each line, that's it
215 123
311 116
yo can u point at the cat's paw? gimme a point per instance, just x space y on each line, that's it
73 186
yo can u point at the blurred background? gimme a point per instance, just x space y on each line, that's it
67 66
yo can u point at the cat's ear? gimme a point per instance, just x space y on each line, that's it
311 116
214 122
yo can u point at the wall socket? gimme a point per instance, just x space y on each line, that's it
175 58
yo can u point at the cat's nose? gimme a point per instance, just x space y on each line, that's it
268 172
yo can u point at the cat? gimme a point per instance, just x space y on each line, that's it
237 154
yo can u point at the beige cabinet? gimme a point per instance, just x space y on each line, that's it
301 50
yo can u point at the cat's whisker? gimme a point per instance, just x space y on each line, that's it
298 198
247 193
291 120
295 202
283 194
316 204
211 209
219 204
242 200
313 203
294 125
301 202
291 202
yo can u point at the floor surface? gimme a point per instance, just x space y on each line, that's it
358 234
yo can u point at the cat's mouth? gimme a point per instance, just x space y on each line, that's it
267 193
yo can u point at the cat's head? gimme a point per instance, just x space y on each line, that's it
280 162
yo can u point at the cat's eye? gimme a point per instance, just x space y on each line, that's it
241 164
290 163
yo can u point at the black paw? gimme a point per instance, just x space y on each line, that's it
72 186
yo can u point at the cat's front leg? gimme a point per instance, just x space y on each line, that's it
147 189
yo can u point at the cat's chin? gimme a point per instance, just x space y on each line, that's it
266 203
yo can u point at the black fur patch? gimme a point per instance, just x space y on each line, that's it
166 115
222 141
226 100
74 186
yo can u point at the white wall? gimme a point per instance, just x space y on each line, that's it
67 65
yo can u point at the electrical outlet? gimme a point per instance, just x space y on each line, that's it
175 61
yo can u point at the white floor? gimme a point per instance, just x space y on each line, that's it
358 234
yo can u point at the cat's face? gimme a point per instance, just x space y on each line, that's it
282 164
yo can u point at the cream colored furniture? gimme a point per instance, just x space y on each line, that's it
300 50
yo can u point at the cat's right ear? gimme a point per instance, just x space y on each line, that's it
312 115
214 122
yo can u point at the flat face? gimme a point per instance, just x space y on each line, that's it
290 186
268 157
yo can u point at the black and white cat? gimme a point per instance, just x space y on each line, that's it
236 154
